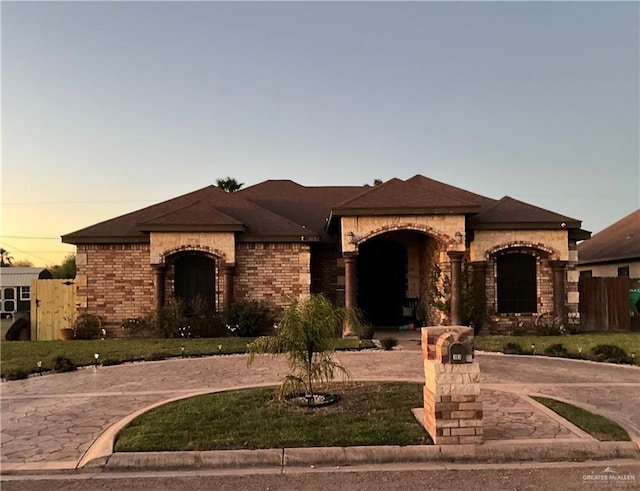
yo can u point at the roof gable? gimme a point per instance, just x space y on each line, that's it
510 213
419 195
194 217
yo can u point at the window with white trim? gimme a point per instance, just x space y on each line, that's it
25 292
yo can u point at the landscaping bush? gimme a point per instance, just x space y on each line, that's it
138 327
87 326
248 318
63 364
512 349
556 349
16 374
388 343
202 320
167 321
609 353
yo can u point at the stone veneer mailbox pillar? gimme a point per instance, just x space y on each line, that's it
452 405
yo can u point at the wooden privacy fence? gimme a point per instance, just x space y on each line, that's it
605 304
53 306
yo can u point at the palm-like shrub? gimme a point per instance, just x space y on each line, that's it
306 336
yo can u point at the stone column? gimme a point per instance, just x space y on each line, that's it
559 268
158 272
456 286
227 285
479 293
350 289
453 411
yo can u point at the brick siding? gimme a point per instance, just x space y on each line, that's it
116 281
272 272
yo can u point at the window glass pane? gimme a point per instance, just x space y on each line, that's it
9 306
9 293
25 293
517 291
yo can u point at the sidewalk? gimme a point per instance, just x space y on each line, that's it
67 421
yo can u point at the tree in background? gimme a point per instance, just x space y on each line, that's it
5 258
22 263
66 270
229 184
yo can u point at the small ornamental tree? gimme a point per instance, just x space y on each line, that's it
306 336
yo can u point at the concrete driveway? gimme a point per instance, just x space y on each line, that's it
53 420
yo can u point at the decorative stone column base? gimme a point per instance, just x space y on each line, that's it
452 405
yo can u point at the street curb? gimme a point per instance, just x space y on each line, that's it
488 453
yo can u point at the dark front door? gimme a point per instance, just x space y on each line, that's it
195 275
382 281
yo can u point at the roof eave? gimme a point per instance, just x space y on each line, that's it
453 210
191 228
610 260
129 239
279 238
525 226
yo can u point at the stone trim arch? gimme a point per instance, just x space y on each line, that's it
553 253
217 254
430 231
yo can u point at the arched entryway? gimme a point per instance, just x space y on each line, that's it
195 276
382 273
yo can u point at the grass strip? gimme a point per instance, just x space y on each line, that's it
21 357
578 345
367 414
597 426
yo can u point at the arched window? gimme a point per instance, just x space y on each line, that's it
195 276
517 291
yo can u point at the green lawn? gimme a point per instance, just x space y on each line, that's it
597 426
578 345
21 357
367 414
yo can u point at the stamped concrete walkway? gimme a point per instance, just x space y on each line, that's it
52 421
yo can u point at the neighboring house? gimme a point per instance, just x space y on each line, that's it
613 252
15 288
399 251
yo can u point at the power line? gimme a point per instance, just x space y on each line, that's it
26 203
20 237
16 249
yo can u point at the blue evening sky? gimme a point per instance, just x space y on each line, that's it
111 106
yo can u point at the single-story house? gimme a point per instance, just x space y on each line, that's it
15 288
414 249
614 251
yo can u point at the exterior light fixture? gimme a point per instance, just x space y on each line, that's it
533 349
182 350
96 356
39 365
352 238
459 237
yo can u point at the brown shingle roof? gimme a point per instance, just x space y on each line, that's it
417 195
228 210
194 217
619 241
509 213
307 206
282 210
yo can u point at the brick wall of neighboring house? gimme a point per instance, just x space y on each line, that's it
114 281
272 272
